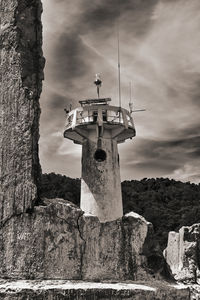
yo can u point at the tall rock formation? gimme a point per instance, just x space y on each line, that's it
183 254
21 75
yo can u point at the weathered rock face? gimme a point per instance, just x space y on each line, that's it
57 241
123 249
44 244
183 254
21 65
49 290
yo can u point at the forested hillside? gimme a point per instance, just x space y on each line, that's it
168 204
60 186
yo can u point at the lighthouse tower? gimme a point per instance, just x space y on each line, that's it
99 128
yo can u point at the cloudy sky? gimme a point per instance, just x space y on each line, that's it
160 54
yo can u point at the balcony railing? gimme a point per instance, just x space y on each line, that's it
110 115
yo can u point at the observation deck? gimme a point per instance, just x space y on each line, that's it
94 114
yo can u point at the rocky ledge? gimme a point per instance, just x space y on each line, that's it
59 289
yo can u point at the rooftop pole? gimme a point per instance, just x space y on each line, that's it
118 54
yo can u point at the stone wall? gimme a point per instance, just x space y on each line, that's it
21 74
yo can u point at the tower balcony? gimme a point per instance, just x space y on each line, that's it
116 122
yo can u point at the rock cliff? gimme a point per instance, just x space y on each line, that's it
183 254
21 72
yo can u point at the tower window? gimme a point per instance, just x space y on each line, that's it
100 155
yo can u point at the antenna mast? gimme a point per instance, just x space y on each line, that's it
130 103
118 54
119 67
130 87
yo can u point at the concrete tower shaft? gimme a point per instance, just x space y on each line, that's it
99 127
100 182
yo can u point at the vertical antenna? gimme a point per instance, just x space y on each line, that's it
130 87
130 103
118 52
119 68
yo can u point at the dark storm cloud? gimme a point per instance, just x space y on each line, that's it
157 166
70 56
56 102
71 60
94 15
56 106
68 51
195 90
163 157
169 150
137 14
189 131
97 15
68 62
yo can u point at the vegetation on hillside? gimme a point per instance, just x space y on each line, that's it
60 186
168 204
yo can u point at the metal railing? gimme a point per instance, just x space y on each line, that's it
109 116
